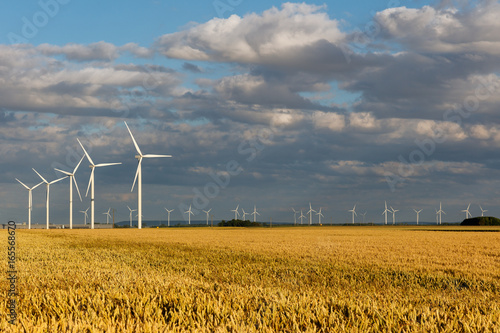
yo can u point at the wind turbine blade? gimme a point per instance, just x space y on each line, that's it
90 181
153 155
86 154
136 173
65 172
34 187
106 164
133 140
23 184
55 181
76 168
45 180
77 189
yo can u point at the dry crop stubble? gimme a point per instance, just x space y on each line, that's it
227 279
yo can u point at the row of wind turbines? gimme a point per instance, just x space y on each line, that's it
93 166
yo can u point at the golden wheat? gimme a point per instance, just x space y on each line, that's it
365 279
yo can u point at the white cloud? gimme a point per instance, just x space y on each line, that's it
329 120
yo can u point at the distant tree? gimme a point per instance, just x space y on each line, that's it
481 220
238 223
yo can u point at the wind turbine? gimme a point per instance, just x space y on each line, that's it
254 212
319 215
294 216
236 212
418 213
385 212
393 211
207 211
301 217
30 200
138 175
439 212
353 210
243 214
467 213
189 212
130 214
169 211
364 215
482 210
86 215
108 215
72 180
91 182
47 204
310 213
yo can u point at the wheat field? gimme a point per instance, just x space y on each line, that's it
308 279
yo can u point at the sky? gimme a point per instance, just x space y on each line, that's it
266 103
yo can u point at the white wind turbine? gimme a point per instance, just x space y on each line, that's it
189 212
130 214
319 215
243 214
418 213
47 203
482 210
364 215
385 212
72 180
294 216
168 212
86 215
91 182
108 215
393 211
439 212
206 212
353 210
30 200
310 213
236 212
255 213
138 175
301 217
467 213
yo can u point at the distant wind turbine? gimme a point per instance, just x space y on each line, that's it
439 212
255 213
189 212
243 214
301 217
130 214
353 211
393 211
108 215
169 211
319 215
310 213
207 211
138 175
91 183
72 180
236 212
364 215
30 199
467 213
482 210
418 213
47 203
294 216
385 212
86 215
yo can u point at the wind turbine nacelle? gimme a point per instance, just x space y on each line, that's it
138 156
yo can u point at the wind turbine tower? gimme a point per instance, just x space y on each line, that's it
301 217
86 215
130 214
254 212
319 215
394 215
439 212
30 200
310 213
72 180
206 212
482 210
236 212
108 215
385 212
189 212
353 211
47 203
169 211
138 175
418 213
467 213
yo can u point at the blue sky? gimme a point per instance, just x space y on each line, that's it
365 102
